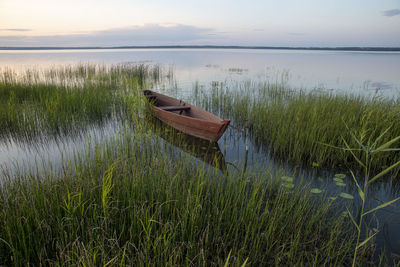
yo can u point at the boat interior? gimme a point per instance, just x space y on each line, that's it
166 105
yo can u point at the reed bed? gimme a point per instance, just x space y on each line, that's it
309 127
68 98
130 203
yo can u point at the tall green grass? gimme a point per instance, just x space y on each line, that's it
70 97
130 203
304 127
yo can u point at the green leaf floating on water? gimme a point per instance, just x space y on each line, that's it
340 184
316 191
287 179
340 175
338 180
288 185
345 195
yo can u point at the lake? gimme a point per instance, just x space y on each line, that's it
346 72
365 73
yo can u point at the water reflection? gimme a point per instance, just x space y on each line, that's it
203 150
23 155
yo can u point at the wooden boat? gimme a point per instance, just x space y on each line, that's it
185 117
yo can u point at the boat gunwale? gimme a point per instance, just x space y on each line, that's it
212 117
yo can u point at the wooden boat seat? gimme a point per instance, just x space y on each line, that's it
174 108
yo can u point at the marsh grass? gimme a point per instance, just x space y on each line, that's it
128 202
131 201
68 98
295 125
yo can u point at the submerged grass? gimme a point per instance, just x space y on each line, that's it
306 126
129 203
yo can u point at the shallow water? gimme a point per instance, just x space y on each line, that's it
344 72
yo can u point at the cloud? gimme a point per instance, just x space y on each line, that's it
391 12
148 34
16 30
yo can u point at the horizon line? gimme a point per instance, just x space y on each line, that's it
333 48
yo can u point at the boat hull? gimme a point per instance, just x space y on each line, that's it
195 121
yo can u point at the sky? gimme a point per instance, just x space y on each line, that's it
307 23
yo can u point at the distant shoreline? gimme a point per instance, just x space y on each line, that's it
361 49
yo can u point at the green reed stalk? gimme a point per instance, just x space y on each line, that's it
369 150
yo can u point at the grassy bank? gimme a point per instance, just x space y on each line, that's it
305 127
129 202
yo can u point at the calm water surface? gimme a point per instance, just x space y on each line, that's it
365 73
354 72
